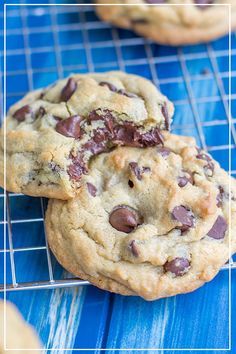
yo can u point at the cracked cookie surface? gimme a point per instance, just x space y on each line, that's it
52 133
197 21
151 222
19 335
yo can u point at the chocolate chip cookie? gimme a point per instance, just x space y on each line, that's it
51 134
192 22
152 222
20 337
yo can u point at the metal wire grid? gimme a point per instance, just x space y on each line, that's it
122 63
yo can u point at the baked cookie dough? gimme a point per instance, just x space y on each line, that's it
19 335
193 22
151 222
52 133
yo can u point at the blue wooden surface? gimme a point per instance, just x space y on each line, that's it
87 317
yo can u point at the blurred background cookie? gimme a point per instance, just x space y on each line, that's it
193 22
20 337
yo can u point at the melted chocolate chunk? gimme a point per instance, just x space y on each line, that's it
124 219
163 151
133 248
22 112
184 216
178 266
164 111
92 189
70 127
109 85
68 89
138 171
106 116
151 138
218 229
77 168
96 147
126 134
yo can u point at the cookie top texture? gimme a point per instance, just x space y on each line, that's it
52 133
151 222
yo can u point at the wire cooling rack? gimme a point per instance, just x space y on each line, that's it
45 43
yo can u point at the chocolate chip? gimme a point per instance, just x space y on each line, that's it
184 216
127 94
101 135
183 180
124 219
131 184
163 151
41 112
178 266
94 147
106 116
151 138
138 171
70 127
164 111
77 167
75 171
133 248
109 85
126 134
22 112
209 167
92 189
218 229
68 89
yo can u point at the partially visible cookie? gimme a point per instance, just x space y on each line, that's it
52 133
166 23
151 222
20 337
